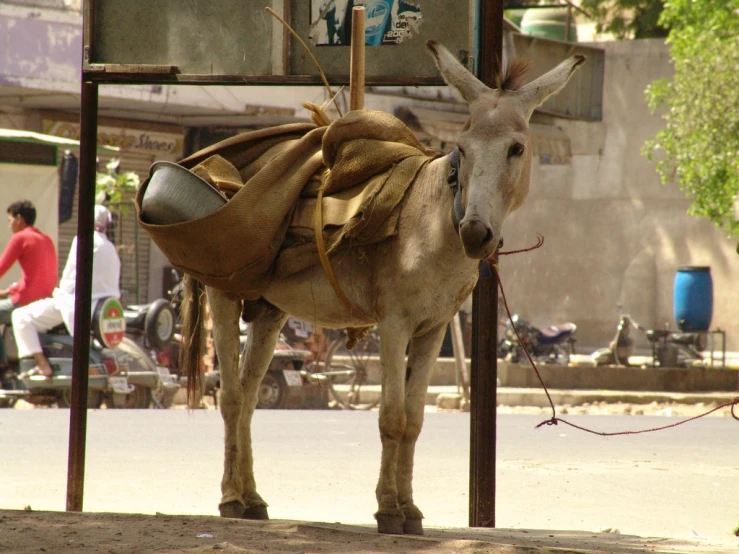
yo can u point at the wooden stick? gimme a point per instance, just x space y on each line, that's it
356 75
460 359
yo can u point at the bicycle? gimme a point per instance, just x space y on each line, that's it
347 371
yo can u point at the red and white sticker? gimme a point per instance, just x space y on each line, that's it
112 322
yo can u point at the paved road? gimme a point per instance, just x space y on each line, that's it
322 466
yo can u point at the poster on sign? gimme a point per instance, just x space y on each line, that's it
388 22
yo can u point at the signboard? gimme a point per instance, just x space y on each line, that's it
140 141
388 22
240 42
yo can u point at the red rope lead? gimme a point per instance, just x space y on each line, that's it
539 243
554 420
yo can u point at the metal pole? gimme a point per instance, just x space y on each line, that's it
83 301
484 356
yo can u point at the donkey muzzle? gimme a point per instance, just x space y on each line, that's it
479 240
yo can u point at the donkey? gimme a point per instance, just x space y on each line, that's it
409 285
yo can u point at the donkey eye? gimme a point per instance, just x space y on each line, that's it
516 150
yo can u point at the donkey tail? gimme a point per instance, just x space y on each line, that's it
193 337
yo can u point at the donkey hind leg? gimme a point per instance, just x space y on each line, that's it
393 341
225 312
260 347
237 475
423 353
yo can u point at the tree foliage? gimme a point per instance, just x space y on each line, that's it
699 146
627 18
111 187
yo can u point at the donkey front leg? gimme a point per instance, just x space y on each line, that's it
239 498
393 340
423 353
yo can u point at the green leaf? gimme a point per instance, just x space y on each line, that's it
699 144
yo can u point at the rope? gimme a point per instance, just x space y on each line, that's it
326 263
554 420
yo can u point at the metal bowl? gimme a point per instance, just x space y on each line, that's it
176 195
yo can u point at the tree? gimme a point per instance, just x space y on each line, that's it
699 146
112 186
627 18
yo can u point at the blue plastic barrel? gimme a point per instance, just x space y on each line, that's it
693 298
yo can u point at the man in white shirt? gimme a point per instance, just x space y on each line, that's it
42 315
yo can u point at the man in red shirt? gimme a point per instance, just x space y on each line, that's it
35 253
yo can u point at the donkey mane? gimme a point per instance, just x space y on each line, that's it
512 77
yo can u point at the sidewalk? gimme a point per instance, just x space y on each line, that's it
582 383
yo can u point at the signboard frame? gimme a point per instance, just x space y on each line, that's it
138 41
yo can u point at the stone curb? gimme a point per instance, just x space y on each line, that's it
449 397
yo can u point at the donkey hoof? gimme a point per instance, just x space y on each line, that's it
413 527
389 525
255 512
233 509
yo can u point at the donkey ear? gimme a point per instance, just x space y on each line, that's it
538 90
455 74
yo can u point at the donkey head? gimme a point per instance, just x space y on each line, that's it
494 147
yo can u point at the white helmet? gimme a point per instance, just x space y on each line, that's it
102 217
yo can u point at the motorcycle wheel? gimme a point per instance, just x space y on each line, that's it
138 399
94 398
159 324
272 391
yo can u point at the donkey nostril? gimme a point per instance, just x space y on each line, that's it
488 236
500 243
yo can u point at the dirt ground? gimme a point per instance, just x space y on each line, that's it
25 532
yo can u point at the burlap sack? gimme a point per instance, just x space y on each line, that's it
365 160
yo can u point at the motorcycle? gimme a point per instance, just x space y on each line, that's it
553 344
676 349
121 374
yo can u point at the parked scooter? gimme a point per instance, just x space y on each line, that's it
121 373
621 347
669 348
552 344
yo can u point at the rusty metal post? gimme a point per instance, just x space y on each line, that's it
83 301
484 366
